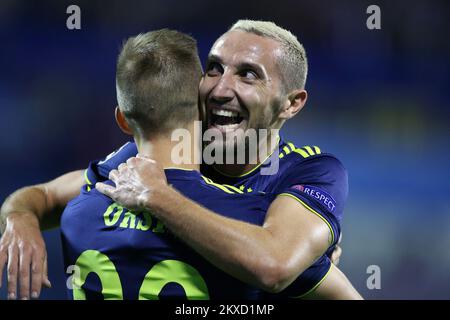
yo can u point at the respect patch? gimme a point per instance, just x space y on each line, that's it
318 194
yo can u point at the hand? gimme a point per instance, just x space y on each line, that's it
137 183
337 252
22 247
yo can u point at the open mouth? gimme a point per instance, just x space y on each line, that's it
225 119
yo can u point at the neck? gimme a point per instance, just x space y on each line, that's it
265 149
161 147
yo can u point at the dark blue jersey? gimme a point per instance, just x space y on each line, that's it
119 254
316 180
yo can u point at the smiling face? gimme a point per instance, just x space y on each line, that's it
242 84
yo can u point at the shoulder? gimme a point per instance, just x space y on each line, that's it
310 161
227 200
319 179
119 155
88 196
98 170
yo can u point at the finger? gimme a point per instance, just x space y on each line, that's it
139 156
131 162
3 259
113 175
337 252
107 190
122 166
24 273
37 269
47 282
13 264
336 255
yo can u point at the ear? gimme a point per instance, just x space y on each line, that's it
294 103
122 122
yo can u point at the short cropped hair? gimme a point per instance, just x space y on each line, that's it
157 80
293 63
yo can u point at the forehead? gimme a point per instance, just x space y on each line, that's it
239 46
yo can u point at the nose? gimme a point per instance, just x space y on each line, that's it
223 91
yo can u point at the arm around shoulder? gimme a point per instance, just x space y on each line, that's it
44 201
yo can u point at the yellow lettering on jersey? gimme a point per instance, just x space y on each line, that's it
148 222
159 227
129 220
123 218
118 210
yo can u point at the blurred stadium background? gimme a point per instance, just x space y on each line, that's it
377 99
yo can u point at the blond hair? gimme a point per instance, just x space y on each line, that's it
293 64
157 80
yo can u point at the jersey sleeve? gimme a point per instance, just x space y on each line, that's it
320 184
98 170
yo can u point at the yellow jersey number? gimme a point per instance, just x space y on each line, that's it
157 277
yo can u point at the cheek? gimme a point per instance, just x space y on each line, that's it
252 99
259 107
266 114
205 87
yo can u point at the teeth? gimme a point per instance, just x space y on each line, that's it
228 127
225 113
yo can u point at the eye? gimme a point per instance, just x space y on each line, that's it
214 69
249 74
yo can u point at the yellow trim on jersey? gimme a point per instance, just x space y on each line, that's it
233 188
86 177
306 151
246 173
313 211
310 151
291 145
302 152
222 186
286 150
316 286
177 168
